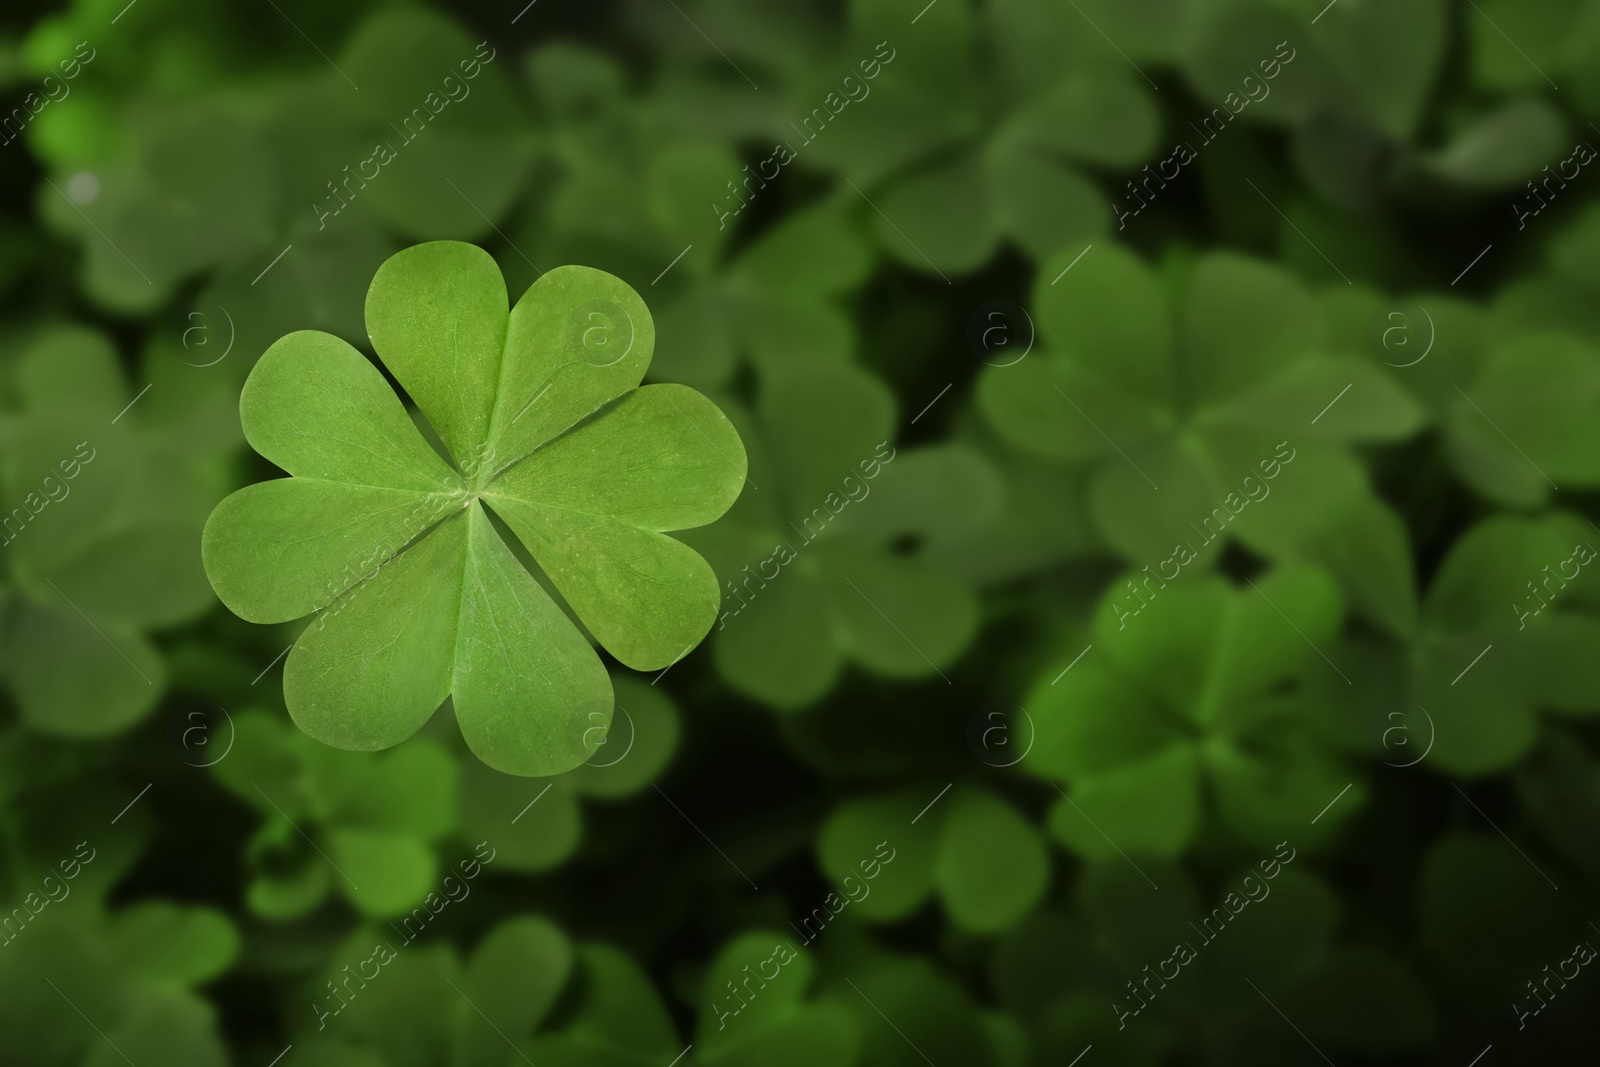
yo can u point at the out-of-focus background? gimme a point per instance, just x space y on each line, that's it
1226 692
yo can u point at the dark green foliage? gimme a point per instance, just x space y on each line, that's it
988 532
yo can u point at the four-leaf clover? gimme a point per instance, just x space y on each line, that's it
419 595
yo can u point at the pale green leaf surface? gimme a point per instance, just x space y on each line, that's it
369 673
992 866
848 846
278 550
944 218
175 945
381 873
1151 807
1110 314
675 462
577 339
427 602
525 681
900 617
73 681
509 985
319 409
780 647
436 314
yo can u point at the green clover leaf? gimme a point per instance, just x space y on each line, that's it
988 863
1271 924
1522 426
502 992
930 1011
822 564
372 819
777 301
417 593
1184 413
1021 181
550 815
103 506
1506 583
137 967
1374 65
751 1015
1184 695
1560 790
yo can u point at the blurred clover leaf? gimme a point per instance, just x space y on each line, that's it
1271 925
417 595
1563 34
137 968
1043 519
1560 790
106 493
1521 586
620 1022
758 1008
372 820
143 1001
822 563
419 1005
776 302
624 193
434 145
1484 912
985 859
950 179
1375 64
929 1010
1189 696
146 215
1521 427
1500 148
1231 403
549 815
472 134
1023 181
506 994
